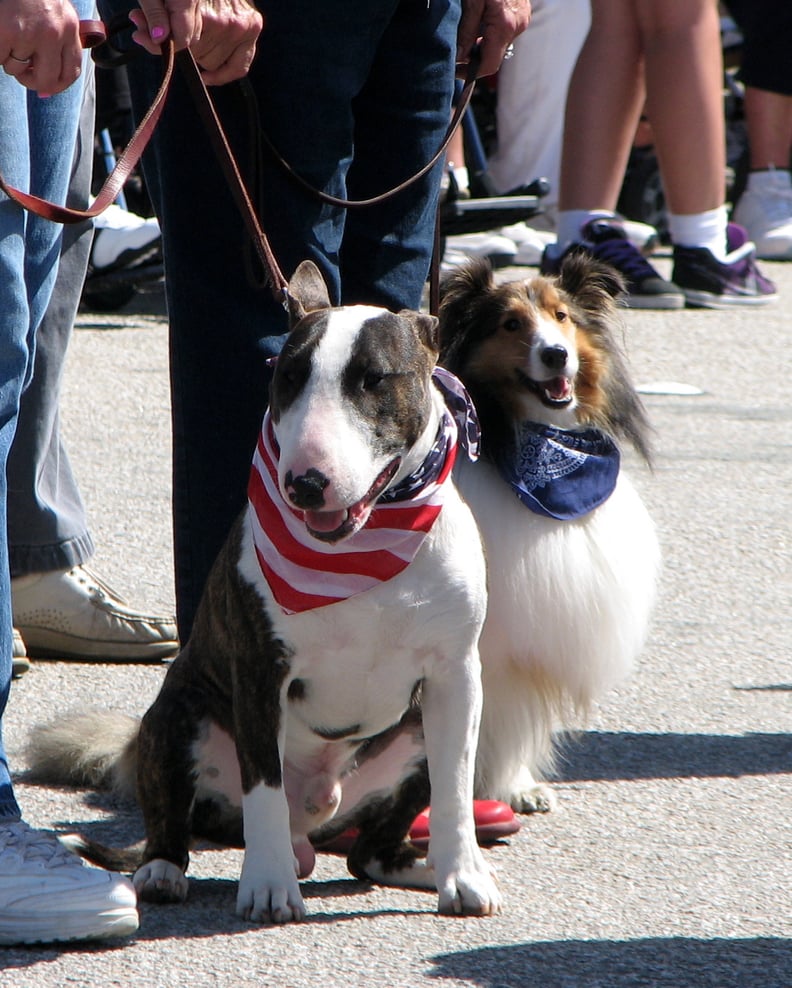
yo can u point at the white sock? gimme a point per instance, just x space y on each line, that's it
572 221
769 179
701 230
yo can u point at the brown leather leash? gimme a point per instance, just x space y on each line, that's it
456 119
236 184
93 33
225 156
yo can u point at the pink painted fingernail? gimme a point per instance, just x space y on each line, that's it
157 33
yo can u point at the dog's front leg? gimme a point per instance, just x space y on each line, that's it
451 713
268 887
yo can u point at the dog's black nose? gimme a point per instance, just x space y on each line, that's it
554 357
307 490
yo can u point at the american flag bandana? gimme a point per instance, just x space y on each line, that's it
304 573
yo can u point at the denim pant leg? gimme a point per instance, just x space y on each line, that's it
14 326
47 526
36 141
375 77
387 249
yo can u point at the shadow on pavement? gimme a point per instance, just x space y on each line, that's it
661 962
600 756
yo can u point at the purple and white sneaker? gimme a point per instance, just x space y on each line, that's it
606 239
712 284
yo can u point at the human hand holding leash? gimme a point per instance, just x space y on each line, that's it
494 24
227 46
222 37
40 44
159 20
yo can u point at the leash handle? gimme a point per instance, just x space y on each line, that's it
93 33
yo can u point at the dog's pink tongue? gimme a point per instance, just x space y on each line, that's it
325 521
559 388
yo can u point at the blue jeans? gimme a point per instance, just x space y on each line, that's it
356 94
37 139
47 524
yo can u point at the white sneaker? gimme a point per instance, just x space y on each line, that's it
49 895
767 216
498 250
73 614
122 238
642 236
530 242
539 232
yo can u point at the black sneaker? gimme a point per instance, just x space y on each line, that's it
712 284
606 240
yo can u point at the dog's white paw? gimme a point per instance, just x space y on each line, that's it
160 881
413 876
538 798
466 884
465 889
469 890
527 794
269 898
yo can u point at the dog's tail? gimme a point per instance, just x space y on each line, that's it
126 859
96 749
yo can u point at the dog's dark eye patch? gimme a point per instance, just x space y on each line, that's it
386 378
372 379
294 363
290 378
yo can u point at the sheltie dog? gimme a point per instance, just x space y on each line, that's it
572 554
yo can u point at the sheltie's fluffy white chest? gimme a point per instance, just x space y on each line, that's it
569 598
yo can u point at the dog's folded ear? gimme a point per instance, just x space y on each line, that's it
427 328
307 292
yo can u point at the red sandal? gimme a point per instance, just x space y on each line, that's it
494 820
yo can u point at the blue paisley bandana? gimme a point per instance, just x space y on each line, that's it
559 474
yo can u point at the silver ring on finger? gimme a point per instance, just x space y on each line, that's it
16 58
509 53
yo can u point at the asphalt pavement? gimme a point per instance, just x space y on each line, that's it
668 862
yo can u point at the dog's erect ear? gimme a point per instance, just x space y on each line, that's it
470 281
427 328
464 295
586 278
307 292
